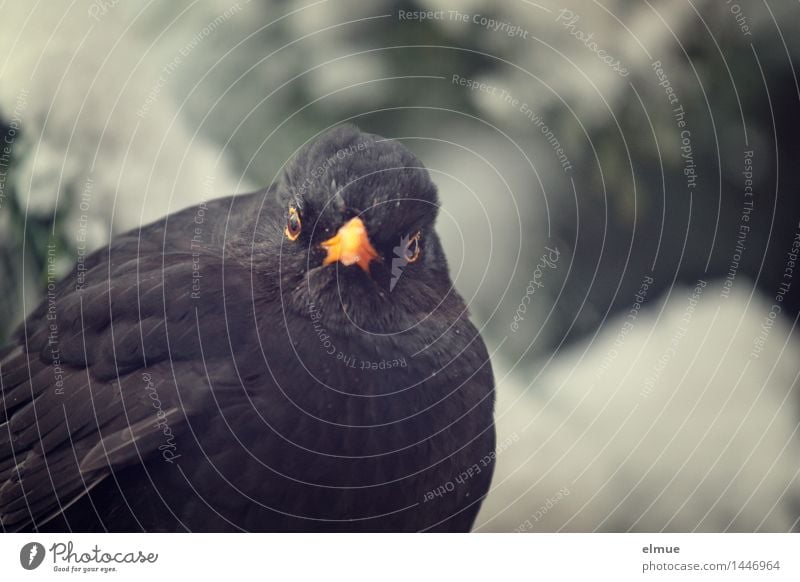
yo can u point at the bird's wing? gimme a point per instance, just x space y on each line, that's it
103 375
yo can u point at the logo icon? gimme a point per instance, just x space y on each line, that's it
404 253
31 555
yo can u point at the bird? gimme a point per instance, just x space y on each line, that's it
292 359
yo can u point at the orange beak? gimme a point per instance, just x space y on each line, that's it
350 246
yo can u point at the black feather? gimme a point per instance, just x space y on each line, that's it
212 374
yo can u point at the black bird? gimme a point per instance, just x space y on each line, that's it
295 359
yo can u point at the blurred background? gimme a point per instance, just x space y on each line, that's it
619 185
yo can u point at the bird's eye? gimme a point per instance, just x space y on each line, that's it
413 248
293 224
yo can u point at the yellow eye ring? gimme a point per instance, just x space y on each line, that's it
293 224
413 248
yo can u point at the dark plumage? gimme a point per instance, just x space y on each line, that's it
222 369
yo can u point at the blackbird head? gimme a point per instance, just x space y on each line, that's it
358 218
